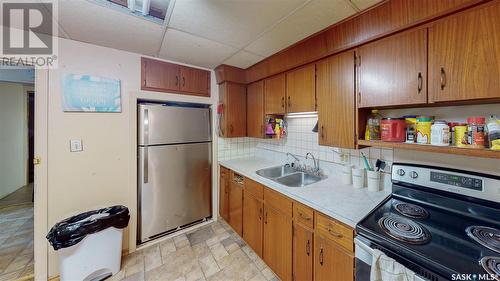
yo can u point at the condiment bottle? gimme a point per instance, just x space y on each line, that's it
475 132
440 133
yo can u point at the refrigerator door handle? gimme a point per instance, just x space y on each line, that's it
145 166
146 126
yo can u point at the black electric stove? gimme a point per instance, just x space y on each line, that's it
442 223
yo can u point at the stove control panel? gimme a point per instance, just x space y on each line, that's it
466 183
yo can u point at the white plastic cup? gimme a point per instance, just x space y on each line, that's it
373 180
347 174
358 177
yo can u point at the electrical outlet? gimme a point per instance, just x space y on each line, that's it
75 146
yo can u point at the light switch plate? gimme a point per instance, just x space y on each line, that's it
75 145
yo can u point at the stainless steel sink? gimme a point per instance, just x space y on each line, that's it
298 179
275 172
289 176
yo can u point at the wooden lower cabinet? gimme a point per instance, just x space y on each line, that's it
224 193
235 218
253 212
303 256
278 242
332 262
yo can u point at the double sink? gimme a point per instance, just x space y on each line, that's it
289 176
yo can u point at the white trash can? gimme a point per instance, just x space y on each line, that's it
90 244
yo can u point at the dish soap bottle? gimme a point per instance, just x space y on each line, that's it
372 131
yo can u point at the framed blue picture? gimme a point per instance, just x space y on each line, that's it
86 93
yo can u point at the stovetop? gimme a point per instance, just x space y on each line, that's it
441 216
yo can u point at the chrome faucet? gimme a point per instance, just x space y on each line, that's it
316 162
297 160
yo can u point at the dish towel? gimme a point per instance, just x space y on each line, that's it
386 269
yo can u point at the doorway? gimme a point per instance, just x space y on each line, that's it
17 124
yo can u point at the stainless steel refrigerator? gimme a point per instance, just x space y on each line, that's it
174 167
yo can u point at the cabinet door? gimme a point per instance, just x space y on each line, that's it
234 98
278 242
274 94
255 110
464 55
336 95
195 81
393 71
224 194
253 212
331 262
301 89
159 75
302 253
236 206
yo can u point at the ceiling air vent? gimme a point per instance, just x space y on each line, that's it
153 10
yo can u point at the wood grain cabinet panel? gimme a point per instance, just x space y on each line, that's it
336 100
464 55
195 81
301 89
253 212
278 242
274 94
303 256
159 75
255 110
393 71
234 99
224 193
235 219
331 262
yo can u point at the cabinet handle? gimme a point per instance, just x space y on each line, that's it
359 97
260 214
265 217
283 102
336 234
304 217
289 102
231 128
420 82
183 81
321 256
322 132
308 247
144 82
176 80
443 78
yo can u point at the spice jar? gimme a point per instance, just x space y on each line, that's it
411 122
452 131
461 135
424 124
440 133
475 133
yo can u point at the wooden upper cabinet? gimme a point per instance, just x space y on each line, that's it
303 256
301 89
464 55
172 78
393 71
224 193
195 81
255 110
274 94
278 242
159 75
331 262
253 223
336 100
234 99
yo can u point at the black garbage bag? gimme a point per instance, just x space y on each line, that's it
72 230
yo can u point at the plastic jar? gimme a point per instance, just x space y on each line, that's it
373 126
475 133
424 124
440 133
393 129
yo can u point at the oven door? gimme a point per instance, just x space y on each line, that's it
363 253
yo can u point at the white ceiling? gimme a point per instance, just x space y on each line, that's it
206 33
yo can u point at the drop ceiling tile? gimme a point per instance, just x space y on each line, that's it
232 22
363 4
92 23
187 48
243 59
313 17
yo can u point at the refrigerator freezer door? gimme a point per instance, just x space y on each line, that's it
160 124
174 187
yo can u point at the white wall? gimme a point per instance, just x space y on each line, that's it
13 137
104 173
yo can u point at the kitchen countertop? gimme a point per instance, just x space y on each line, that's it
330 197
